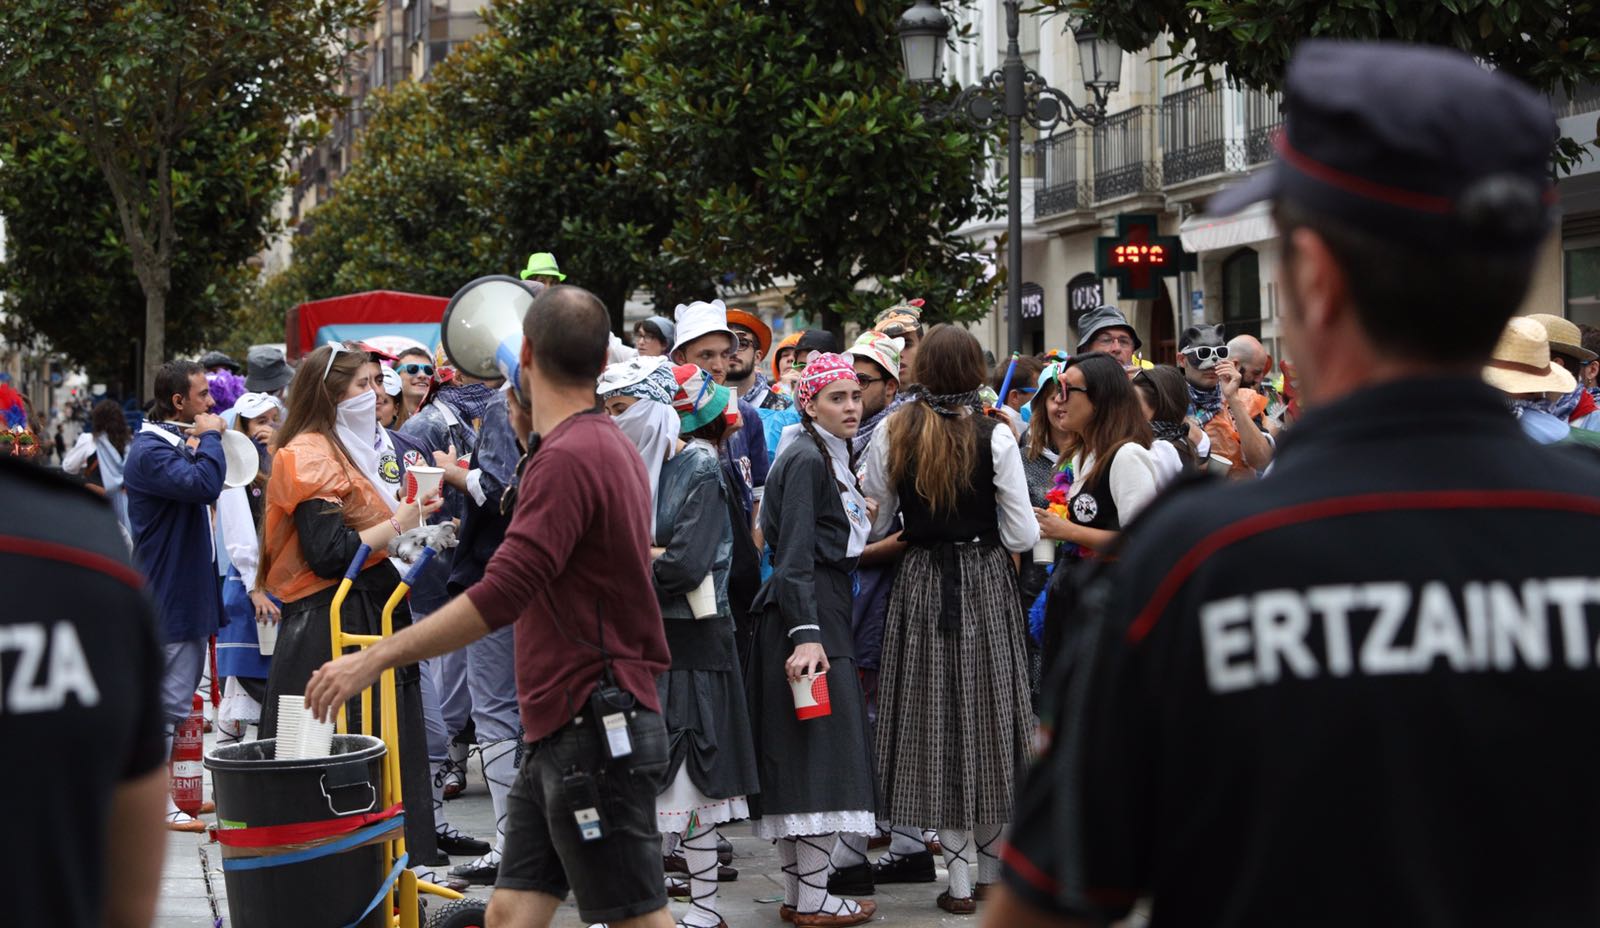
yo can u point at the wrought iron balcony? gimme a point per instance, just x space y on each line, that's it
1124 157
1194 137
1056 163
1263 120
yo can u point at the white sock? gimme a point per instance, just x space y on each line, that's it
787 853
700 851
669 844
988 838
959 859
851 851
441 822
499 762
811 853
905 842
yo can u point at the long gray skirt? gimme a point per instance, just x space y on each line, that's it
953 733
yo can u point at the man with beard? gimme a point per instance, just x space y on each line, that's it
753 339
1218 401
706 341
1358 692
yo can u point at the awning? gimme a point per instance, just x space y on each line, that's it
1210 233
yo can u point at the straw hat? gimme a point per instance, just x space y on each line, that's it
1521 361
1564 337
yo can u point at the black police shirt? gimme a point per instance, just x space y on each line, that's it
1361 691
79 678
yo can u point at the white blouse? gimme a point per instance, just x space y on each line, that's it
1134 479
1019 530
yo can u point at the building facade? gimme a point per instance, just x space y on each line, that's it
1168 143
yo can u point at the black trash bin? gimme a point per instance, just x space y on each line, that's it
254 789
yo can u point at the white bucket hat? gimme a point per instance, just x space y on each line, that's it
698 319
1521 361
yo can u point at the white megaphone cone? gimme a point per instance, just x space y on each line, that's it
482 327
243 460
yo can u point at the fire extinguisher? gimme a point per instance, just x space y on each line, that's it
187 741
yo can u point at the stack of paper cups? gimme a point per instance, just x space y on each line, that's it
266 637
703 598
1044 552
299 735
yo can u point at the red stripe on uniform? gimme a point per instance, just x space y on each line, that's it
1361 186
50 551
1025 868
1331 508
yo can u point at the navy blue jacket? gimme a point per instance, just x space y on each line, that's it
169 489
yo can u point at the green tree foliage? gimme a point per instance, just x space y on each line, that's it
1551 44
68 277
791 147
503 152
138 82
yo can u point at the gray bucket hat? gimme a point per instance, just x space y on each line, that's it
1104 317
268 371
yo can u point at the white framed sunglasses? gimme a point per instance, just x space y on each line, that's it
1203 353
337 349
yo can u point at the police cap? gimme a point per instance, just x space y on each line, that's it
1413 144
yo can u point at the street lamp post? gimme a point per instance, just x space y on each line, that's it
1012 94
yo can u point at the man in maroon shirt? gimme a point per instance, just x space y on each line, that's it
581 815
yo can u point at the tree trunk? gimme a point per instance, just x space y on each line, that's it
155 336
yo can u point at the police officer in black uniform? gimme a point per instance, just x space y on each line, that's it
79 676
1361 691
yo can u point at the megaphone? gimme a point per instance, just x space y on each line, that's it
243 460
482 327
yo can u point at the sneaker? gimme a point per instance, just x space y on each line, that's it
912 868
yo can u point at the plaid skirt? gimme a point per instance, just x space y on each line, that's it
953 733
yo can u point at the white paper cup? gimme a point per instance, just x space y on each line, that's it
703 598
1219 465
1044 551
422 482
266 637
811 696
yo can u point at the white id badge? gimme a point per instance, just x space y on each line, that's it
588 824
617 741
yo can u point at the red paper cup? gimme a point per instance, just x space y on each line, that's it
422 482
811 696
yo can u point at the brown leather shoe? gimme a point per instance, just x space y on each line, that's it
673 864
678 889
786 912
965 906
818 920
877 842
980 891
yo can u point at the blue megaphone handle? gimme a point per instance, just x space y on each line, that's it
416 569
506 358
355 563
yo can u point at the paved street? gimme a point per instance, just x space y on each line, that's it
751 901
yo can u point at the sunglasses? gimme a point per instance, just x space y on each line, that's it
867 380
1207 352
746 342
425 370
1067 388
337 349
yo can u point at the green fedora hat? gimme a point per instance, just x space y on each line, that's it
542 264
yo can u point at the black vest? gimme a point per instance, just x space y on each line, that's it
974 518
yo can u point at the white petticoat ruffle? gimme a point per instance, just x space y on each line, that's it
683 803
815 823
